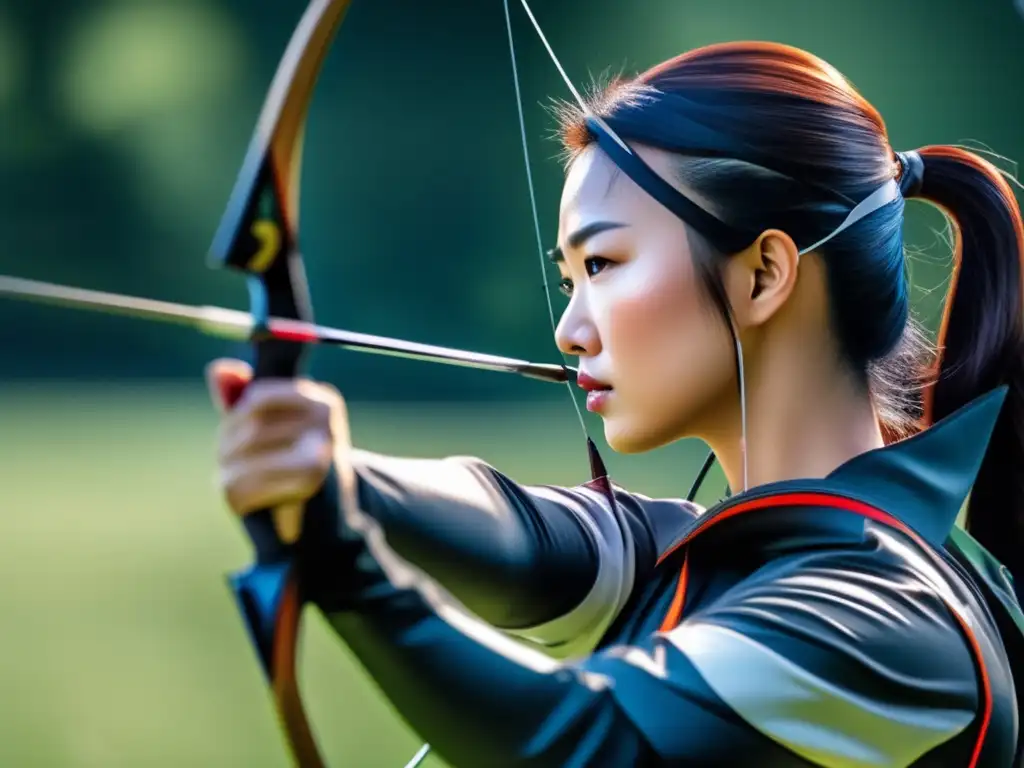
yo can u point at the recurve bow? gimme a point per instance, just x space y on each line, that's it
258 236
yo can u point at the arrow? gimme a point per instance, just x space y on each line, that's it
239 326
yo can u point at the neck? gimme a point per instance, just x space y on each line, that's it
798 426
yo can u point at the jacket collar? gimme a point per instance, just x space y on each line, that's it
925 479
922 480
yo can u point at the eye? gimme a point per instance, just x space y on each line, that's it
593 266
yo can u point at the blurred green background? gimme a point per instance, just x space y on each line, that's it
122 124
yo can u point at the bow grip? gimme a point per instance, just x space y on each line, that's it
271 531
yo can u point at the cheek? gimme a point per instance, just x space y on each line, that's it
654 318
670 356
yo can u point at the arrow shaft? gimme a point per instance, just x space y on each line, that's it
238 326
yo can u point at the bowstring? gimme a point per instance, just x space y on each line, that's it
710 459
421 755
530 185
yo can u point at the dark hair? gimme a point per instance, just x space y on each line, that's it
794 146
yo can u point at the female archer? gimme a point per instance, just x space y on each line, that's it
730 239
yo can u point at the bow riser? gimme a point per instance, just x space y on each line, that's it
258 236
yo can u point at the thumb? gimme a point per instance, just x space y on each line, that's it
227 379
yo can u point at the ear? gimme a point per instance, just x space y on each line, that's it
761 278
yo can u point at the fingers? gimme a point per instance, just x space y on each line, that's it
277 441
289 475
268 399
231 387
262 433
274 423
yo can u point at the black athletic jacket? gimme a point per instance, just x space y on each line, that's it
835 622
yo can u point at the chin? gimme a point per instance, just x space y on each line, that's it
628 438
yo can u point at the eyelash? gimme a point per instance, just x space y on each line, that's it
565 285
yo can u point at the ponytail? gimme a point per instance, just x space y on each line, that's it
981 338
773 137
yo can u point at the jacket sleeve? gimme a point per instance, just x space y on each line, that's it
815 661
553 566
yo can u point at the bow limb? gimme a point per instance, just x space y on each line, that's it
258 236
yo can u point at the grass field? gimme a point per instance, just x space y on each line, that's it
121 646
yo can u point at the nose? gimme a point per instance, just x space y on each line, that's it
576 333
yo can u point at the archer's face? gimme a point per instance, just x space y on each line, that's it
637 318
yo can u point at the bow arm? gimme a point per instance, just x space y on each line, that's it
497 546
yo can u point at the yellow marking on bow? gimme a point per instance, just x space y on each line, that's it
268 235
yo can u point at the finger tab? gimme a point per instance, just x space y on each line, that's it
231 386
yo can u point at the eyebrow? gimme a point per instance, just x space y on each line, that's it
581 235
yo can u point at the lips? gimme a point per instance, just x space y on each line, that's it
597 392
590 384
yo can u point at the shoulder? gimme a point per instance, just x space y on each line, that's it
653 524
666 519
836 651
872 599
628 532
